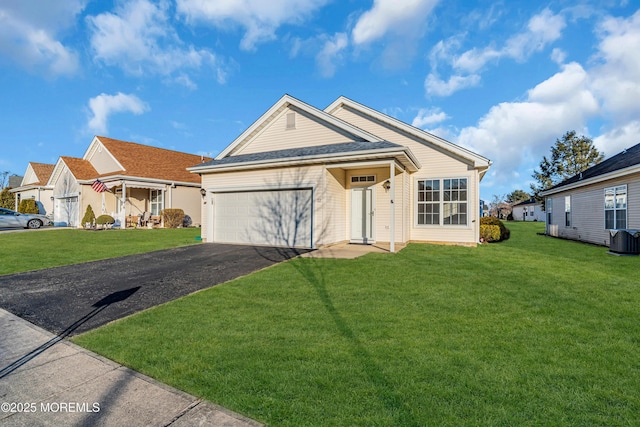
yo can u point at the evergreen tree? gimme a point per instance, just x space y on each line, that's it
570 155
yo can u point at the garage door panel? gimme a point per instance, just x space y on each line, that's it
274 218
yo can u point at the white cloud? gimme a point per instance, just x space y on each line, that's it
617 76
103 106
513 133
618 139
401 17
28 31
331 53
259 18
436 86
429 116
139 39
542 30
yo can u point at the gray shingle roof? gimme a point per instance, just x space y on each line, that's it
292 153
622 160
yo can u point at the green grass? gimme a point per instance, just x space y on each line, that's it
51 248
531 331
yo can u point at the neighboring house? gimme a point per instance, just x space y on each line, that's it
602 198
304 177
34 185
14 181
138 179
529 210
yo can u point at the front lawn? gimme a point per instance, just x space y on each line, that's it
51 248
531 331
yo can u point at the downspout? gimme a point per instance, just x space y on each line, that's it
392 207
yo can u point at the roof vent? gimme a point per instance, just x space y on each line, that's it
291 120
580 175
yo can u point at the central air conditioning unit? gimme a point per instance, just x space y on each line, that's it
624 242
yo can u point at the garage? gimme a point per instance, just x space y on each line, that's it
268 217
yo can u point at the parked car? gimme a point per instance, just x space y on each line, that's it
13 219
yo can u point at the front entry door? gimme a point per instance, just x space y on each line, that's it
362 215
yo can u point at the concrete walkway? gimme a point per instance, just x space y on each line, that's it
48 381
350 251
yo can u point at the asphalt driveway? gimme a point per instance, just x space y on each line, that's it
73 299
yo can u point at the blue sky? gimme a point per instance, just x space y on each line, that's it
502 78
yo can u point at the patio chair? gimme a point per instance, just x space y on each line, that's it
144 219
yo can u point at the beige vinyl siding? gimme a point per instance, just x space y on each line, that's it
308 132
103 161
294 177
29 176
435 163
587 211
186 198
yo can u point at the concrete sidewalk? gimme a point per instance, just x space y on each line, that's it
350 250
48 381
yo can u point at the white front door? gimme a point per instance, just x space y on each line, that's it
362 215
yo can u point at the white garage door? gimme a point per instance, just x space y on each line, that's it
274 218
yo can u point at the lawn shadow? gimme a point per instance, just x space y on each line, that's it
312 271
98 307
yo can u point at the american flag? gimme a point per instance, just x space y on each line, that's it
99 186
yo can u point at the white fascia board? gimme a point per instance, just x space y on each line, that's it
594 180
479 161
57 170
323 158
289 100
137 179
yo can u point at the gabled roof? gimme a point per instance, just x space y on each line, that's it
42 171
625 162
531 201
145 161
477 160
283 103
323 153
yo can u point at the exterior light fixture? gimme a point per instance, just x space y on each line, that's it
203 192
386 185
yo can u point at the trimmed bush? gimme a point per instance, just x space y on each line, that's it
172 218
493 230
7 199
28 206
89 216
105 219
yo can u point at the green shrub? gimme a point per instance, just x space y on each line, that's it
172 218
493 230
28 206
89 216
7 199
105 219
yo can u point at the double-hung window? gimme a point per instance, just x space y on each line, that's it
442 201
156 202
567 211
615 207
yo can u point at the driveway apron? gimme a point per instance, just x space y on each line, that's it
73 299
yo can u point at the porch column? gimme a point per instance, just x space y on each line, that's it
123 206
392 190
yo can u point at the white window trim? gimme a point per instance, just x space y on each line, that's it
151 203
626 208
570 219
470 218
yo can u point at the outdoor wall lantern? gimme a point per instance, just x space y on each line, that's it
203 192
386 185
